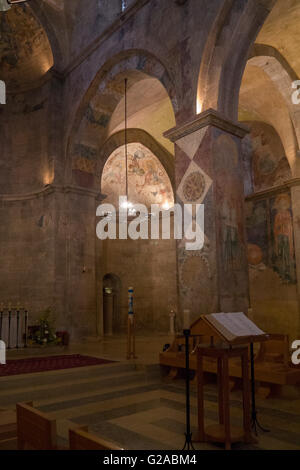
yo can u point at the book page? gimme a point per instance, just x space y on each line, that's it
220 326
233 325
238 324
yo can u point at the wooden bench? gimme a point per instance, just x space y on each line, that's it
81 439
29 429
35 430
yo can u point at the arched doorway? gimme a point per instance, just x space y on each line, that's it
111 304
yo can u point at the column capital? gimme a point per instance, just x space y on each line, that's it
210 117
53 188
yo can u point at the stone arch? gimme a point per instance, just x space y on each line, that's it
279 74
39 12
265 162
270 51
226 53
282 75
107 89
141 136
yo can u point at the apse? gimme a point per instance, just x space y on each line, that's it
148 182
25 51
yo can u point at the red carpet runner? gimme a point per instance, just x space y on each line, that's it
42 364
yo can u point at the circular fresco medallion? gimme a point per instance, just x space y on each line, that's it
197 284
193 270
194 186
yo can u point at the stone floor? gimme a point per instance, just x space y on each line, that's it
130 403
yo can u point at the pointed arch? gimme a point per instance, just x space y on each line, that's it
106 91
226 53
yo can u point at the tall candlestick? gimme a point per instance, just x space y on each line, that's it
131 327
186 319
172 323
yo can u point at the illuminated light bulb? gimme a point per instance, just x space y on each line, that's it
48 179
129 206
126 205
166 206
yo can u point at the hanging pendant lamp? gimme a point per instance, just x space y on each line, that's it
127 205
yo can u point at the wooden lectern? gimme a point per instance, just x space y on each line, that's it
233 331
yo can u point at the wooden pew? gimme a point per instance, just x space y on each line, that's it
35 430
81 439
275 350
8 430
273 365
8 425
174 356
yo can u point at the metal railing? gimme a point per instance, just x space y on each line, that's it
13 326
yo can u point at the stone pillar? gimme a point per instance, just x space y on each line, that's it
81 291
295 199
208 170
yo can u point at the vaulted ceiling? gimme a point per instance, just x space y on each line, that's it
25 52
266 90
281 30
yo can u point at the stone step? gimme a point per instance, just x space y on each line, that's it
36 394
44 378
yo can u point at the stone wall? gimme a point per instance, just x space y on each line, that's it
27 253
49 251
25 148
149 266
30 125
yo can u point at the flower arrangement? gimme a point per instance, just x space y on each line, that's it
43 333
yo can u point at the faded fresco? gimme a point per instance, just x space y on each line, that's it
257 233
283 255
148 182
269 226
229 195
270 236
269 163
269 219
194 185
25 52
230 210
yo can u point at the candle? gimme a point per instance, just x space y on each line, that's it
186 319
172 323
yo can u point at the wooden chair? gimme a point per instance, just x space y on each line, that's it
35 430
275 350
81 439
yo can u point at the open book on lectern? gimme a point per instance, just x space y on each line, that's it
235 327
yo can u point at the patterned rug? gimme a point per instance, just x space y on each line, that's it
42 364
